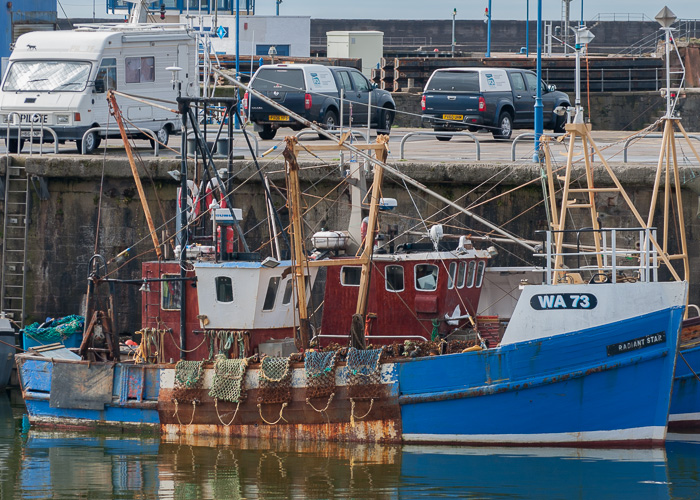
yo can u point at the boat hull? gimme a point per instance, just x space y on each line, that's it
685 402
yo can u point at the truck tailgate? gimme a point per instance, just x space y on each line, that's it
451 106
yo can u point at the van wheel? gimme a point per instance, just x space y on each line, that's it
162 135
330 122
267 132
505 126
92 142
386 121
14 146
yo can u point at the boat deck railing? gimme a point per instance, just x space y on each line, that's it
636 260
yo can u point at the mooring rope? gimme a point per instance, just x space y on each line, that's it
352 411
308 402
194 409
284 405
216 406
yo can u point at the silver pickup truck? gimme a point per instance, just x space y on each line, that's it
492 98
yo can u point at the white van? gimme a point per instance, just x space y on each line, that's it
59 79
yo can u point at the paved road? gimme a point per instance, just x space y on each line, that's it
426 148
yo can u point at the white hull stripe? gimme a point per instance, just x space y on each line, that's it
656 433
682 417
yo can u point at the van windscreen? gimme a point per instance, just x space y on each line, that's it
47 76
279 79
454 81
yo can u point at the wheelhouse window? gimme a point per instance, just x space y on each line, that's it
224 289
350 276
426 277
470 274
480 273
140 69
271 293
394 278
461 274
451 275
287 297
170 293
47 76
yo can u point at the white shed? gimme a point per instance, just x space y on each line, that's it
365 45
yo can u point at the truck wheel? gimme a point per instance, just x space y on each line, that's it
14 146
386 120
162 135
330 122
267 132
505 126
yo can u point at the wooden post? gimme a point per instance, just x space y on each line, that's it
151 227
296 235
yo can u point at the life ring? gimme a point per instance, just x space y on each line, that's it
214 190
192 200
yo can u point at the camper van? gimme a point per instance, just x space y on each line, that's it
59 80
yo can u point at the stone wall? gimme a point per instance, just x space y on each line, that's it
62 229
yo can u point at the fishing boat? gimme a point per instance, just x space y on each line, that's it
587 354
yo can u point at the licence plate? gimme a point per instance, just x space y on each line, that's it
279 118
453 117
25 133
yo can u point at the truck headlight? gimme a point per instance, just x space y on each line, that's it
62 118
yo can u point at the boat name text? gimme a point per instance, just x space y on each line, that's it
639 343
553 301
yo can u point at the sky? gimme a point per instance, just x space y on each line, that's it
436 9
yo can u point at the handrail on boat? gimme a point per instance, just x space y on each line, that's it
646 255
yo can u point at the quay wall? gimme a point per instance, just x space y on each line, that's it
62 233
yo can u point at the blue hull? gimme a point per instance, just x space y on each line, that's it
561 389
685 402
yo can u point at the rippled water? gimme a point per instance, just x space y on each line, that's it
39 464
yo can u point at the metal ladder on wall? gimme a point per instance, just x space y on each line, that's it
14 242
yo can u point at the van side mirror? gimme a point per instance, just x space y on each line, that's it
99 86
551 88
374 85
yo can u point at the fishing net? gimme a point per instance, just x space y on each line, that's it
275 380
188 376
320 373
229 377
364 373
56 330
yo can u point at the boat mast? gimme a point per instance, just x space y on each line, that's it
299 261
357 326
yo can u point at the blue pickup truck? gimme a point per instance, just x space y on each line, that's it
313 91
493 98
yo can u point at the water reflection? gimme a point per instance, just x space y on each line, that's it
60 464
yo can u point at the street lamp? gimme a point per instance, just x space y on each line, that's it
272 52
666 18
538 100
583 38
488 29
454 14
278 2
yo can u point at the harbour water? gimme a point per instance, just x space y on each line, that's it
38 464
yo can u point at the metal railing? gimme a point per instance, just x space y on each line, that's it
526 135
19 126
108 130
638 137
642 261
226 138
436 134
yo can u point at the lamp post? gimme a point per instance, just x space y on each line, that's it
666 18
538 99
488 30
583 38
454 14
238 67
527 28
278 2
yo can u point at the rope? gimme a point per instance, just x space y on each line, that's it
284 405
194 409
352 411
689 367
216 406
308 402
